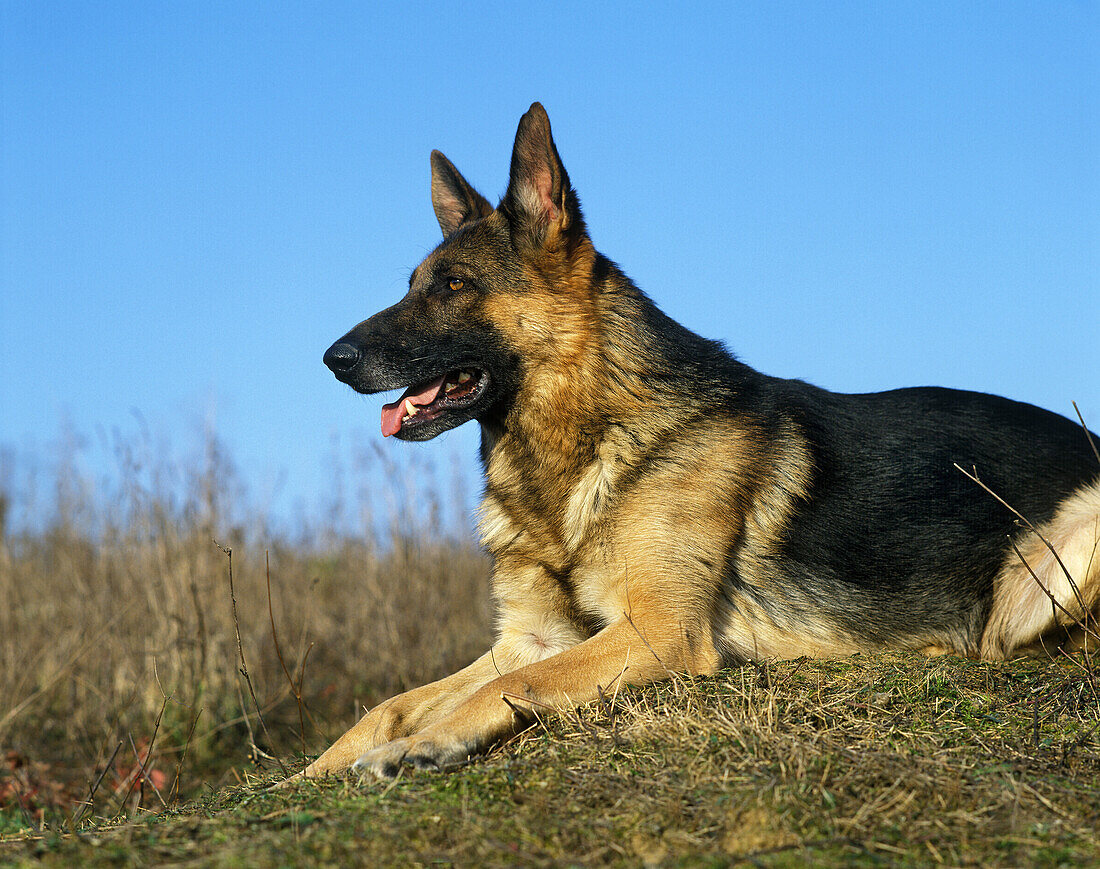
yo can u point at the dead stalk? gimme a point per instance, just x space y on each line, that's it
78 814
172 794
144 773
295 688
1027 524
1088 434
139 777
1054 601
244 667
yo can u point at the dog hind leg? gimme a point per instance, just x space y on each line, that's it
1024 618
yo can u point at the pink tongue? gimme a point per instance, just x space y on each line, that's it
392 414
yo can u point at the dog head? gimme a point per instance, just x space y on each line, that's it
496 314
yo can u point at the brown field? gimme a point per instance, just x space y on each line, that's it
117 626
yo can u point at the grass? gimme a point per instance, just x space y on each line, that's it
129 735
893 760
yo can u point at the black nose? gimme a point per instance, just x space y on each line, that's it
341 357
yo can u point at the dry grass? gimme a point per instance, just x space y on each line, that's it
895 760
115 618
893 754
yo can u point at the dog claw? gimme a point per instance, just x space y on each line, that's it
383 762
386 761
428 763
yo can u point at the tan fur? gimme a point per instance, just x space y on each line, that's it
752 631
1022 608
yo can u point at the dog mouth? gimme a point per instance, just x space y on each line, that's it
423 403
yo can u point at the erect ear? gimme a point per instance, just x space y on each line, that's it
454 200
540 200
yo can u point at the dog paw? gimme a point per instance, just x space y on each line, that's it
428 753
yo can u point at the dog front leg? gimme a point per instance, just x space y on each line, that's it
529 632
635 650
525 637
406 713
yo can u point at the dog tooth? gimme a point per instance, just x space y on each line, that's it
410 408
463 376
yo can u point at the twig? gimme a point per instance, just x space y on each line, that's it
296 690
253 749
1088 434
1047 592
144 773
507 697
172 794
385 793
244 667
1035 531
1086 668
301 681
87 803
148 757
525 718
619 678
642 637
611 710
1031 528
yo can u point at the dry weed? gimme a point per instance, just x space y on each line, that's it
120 609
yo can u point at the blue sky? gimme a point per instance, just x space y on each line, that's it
197 199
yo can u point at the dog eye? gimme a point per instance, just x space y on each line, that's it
456 284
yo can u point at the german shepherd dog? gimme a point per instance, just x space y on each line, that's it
654 505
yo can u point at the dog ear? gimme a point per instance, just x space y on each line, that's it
454 200
540 201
